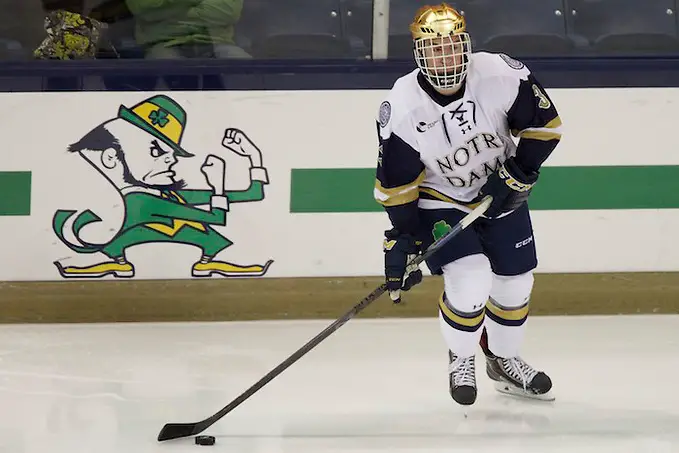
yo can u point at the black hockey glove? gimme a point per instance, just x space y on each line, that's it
509 186
399 249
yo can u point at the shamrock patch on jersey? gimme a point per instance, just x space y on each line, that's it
441 228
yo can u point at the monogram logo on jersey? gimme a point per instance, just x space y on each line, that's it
460 114
463 116
458 159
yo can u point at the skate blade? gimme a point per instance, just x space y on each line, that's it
511 390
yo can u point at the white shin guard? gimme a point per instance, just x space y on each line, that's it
507 312
467 283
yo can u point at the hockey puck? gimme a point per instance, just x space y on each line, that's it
205 440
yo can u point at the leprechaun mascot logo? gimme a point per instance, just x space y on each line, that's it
136 152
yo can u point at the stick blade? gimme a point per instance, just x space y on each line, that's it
177 430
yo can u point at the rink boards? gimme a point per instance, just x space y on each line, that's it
606 201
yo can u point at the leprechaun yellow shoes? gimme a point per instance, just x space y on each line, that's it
123 269
206 269
119 269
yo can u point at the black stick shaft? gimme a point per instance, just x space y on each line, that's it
302 351
176 430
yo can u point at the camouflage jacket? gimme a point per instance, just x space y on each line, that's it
70 36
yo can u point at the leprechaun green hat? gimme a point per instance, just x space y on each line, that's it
160 116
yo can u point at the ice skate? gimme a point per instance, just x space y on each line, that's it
513 376
462 379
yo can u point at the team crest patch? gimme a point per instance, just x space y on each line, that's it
385 113
512 63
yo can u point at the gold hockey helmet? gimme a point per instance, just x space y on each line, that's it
441 45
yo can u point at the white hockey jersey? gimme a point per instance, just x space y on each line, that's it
437 151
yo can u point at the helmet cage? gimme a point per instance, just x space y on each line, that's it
443 60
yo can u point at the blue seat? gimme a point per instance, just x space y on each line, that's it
12 50
21 28
357 25
293 29
519 27
625 27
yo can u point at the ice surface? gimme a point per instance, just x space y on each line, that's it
374 386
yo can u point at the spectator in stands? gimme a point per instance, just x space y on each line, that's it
187 28
70 34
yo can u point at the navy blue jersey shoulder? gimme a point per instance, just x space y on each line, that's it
141 75
532 106
534 118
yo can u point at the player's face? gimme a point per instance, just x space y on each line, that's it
444 55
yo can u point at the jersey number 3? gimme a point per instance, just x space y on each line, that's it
544 101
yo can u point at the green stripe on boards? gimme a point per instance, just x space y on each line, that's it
559 188
15 193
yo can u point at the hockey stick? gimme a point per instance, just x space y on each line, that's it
177 430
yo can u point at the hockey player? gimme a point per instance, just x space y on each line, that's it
445 141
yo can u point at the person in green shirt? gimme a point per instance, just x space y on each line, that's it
187 28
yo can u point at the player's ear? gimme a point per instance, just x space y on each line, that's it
109 158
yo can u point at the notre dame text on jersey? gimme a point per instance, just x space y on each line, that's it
437 151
